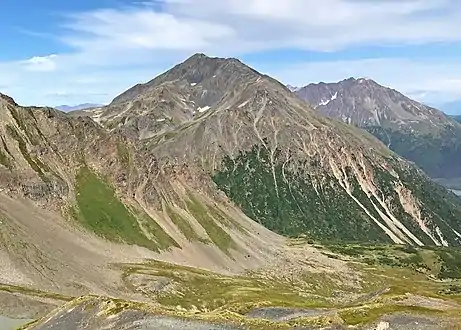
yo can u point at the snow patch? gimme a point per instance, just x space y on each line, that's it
456 233
333 97
439 233
324 102
203 109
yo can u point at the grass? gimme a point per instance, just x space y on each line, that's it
440 262
184 226
99 210
203 294
25 153
33 292
368 314
218 236
196 289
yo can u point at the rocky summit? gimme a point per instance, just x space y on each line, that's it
185 190
419 133
234 132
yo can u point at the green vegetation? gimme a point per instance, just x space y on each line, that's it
439 205
192 288
183 225
99 210
440 262
437 155
294 202
368 314
23 148
450 260
218 236
203 294
33 292
299 205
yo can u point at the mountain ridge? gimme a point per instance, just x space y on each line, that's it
419 133
263 126
201 195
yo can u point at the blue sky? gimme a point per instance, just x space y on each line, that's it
70 52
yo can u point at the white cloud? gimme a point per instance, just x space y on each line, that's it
117 47
41 63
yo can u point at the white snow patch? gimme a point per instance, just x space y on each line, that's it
439 233
160 120
324 102
333 97
193 84
203 109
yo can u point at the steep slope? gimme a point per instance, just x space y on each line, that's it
417 132
290 169
72 207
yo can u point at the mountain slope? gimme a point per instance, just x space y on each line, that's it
417 132
290 169
74 203
115 203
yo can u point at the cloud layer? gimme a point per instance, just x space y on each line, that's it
114 48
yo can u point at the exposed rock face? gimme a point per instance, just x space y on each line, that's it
417 132
235 146
271 154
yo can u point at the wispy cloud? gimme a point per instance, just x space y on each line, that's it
116 47
41 63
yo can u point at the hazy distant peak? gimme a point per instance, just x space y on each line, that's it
67 108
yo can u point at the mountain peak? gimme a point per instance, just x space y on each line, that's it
196 69
7 98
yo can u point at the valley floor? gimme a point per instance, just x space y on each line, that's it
334 286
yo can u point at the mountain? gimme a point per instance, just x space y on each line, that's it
75 200
228 127
293 88
68 108
413 130
208 193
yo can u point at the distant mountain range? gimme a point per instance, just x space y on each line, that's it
84 106
417 132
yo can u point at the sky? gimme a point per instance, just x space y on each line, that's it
58 52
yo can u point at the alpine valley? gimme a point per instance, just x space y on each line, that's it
212 197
